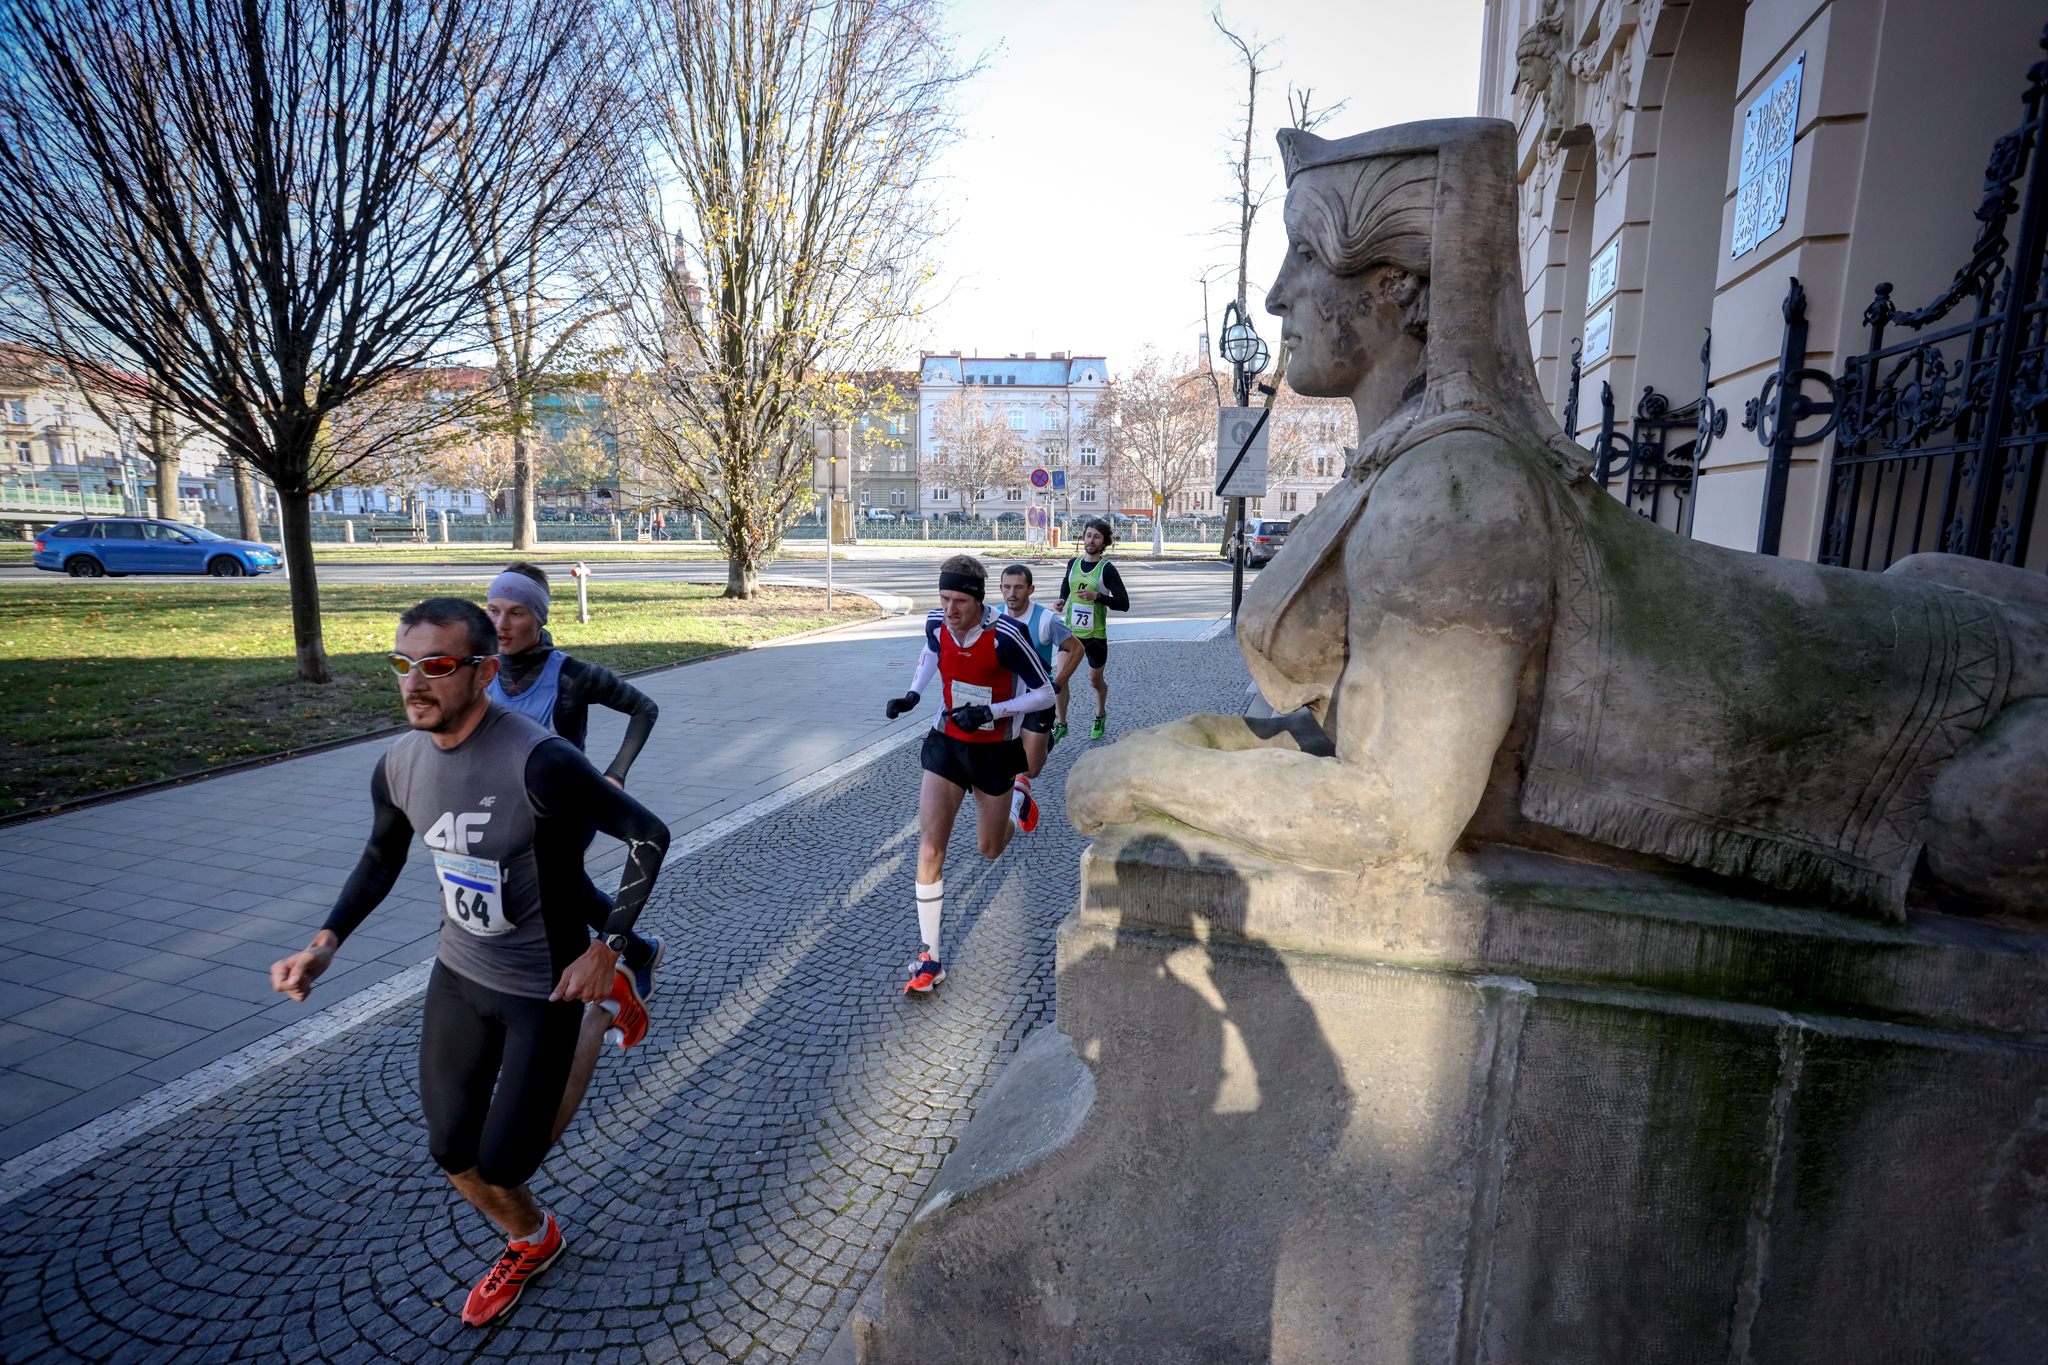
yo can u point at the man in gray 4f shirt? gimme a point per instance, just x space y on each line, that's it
521 997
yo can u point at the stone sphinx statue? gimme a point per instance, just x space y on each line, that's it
1495 650
1388 1029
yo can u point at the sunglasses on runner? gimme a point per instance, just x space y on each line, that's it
434 666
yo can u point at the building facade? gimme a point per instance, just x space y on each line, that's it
1046 407
1681 165
61 451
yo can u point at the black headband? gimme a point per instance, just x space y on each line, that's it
960 582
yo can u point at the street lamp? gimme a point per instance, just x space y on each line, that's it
1241 346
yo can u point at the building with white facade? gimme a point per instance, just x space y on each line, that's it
1682 164
1047 407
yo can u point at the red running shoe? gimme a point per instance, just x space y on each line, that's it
925 973
497 1291
630 1026
1023 810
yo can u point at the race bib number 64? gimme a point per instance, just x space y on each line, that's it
472 893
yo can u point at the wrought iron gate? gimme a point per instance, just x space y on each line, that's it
1939 440
1660 477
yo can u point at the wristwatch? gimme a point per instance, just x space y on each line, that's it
617 942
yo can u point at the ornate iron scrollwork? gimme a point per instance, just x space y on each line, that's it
1939 441
1660 478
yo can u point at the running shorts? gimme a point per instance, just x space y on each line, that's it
492 1071
1097 650
990 767
1041 722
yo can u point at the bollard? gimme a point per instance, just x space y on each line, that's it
582 575
444 526
348 532
615 527
696 527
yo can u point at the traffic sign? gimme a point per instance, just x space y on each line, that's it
1036 516
1241 436
1059 481
1039 478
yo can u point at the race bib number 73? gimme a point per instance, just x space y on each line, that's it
1083 616
472 893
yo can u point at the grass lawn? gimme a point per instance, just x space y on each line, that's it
109 684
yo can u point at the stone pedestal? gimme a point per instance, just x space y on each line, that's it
1545 1113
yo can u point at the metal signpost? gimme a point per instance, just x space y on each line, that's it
832 478
1240 345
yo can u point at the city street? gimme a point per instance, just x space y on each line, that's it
1161 587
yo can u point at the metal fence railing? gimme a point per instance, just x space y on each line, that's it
16 497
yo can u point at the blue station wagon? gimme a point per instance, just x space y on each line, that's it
118 546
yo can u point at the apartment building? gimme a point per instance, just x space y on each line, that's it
1031 412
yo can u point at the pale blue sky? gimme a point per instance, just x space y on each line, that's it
1089 181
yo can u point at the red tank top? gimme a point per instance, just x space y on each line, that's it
974 674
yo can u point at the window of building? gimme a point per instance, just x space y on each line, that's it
1088 493
897 499
17 411
1089 455
24 452
894 425
863 497
1290 502
940 495
1013 495
1016 419
899 463
1087 376
1322 466
1052 419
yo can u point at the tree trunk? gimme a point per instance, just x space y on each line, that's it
295 513
166 461
167 487
245 500
742 570
524 530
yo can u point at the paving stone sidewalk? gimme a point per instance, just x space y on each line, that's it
729 1187
136 937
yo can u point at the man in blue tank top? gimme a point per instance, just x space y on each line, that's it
556 690
1049 636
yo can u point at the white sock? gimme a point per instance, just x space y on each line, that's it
1018 792
533 1238
931 908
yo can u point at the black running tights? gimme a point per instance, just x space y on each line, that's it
492 1070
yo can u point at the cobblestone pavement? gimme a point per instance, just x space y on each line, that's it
727 1190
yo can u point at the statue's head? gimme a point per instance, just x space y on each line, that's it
1403 278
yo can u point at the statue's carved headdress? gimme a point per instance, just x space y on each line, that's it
1438 198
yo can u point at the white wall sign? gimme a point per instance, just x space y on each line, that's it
1764 187
1233 428
1605 273
1599 335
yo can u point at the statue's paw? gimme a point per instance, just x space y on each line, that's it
1099 788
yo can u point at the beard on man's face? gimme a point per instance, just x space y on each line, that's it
425 711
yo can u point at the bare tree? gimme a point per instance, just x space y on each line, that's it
260 206
539 312
791 142
972 446
1159 424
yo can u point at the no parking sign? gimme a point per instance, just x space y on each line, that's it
1039 478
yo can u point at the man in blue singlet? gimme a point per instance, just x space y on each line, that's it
554 689
1049 636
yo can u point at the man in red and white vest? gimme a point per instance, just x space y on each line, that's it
991 678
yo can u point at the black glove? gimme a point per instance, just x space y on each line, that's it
898 705
971 717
